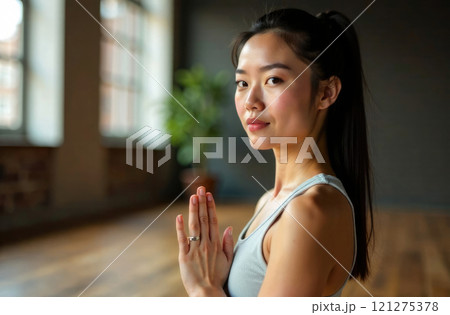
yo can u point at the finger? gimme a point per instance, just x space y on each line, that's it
203 214
183 244
212 215
194 226
228 243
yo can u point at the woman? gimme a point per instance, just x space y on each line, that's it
308 233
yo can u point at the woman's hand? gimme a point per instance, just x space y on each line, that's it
204 264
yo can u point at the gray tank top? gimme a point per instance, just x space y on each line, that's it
249 267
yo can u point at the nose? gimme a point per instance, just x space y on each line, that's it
253 100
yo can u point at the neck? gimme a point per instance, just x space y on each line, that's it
290 171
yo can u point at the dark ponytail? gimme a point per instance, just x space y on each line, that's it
345 125
347 133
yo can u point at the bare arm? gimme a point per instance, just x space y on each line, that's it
298 265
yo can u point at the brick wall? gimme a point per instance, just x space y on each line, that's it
24 178
26 190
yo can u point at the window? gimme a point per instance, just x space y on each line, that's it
121 81
130 98
11 64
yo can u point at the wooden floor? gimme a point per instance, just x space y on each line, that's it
411 257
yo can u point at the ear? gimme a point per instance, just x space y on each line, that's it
329 92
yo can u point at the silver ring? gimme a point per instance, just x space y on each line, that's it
193 238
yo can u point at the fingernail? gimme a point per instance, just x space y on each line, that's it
209 197
201 191
194 200
230 231
179 218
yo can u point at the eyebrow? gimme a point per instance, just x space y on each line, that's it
267 68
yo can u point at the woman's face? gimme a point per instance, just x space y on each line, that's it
267 66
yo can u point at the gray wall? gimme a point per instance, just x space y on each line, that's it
404 50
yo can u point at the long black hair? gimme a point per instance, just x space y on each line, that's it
345 126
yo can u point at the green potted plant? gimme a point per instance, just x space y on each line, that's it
201 95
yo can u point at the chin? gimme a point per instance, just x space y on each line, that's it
265 145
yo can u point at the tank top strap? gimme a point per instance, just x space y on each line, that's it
315 180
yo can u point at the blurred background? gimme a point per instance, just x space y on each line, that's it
79 77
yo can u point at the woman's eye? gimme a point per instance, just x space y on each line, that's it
241 84
274 80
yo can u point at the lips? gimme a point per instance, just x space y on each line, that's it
256 124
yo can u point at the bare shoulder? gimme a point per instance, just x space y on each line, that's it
321 200
317 219
322 209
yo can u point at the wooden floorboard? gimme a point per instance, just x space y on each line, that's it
411 256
